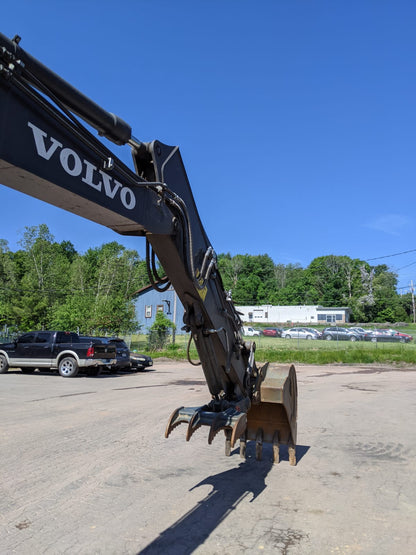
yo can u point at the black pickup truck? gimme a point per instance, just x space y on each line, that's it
56 350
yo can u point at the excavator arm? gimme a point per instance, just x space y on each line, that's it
48 151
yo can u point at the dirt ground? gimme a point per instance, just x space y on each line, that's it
85 468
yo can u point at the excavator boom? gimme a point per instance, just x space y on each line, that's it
46 151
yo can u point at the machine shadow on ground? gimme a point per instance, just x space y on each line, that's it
229 488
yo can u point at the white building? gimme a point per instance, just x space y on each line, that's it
298 314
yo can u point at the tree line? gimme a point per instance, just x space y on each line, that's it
49 285
333 281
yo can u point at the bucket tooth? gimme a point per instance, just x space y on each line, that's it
216 426
259 444
173 421
276 455
292 454
239 428
243 445
194 424
227 434
236 432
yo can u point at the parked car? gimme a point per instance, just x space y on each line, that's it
273 332
140 362
388 335
340 334
406 336
300 333
248 330
360 331
122 351
317 333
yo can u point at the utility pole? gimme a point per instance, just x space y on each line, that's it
174 316
413 300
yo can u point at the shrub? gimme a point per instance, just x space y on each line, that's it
159 332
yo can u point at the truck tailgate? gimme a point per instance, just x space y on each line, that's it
105 351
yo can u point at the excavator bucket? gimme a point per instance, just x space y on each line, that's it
273 413
271 418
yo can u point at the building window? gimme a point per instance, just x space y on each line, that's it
159 308
250 315
330 318
339 317
148 311
322 317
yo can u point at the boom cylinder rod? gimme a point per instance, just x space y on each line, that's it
107 124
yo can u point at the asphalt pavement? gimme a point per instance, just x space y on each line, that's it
85 468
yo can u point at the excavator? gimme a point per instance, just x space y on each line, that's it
49 149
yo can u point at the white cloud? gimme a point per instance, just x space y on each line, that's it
392 224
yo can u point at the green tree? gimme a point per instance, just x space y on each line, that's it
250 279
8 283
405 308
102 282
159 330
326 276
41 269
386 300
290 285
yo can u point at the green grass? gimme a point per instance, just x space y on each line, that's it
303 351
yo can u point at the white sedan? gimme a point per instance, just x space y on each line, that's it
300 333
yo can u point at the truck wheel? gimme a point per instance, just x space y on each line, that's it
68 367
4 365
353 338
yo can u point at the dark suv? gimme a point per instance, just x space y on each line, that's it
123 352
340 334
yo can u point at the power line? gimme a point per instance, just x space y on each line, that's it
389 255
407 265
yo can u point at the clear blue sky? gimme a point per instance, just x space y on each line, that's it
296 119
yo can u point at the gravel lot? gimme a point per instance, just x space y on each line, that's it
86 470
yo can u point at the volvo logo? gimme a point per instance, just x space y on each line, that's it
75 166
